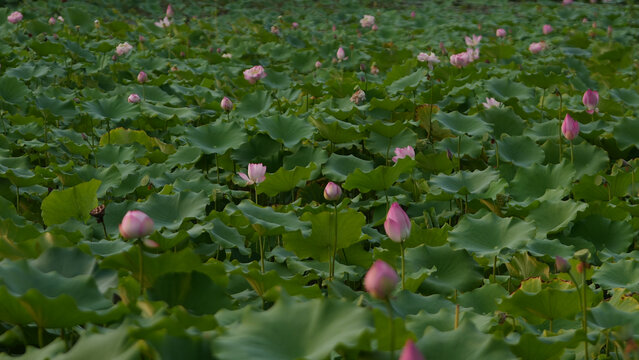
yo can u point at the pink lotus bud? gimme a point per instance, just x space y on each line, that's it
410 352
318 64
367 21
226 104
136 224
537 47
570 128
256 174
15 17
546 29
500 33
142 77
397 224
114 58
295 25
123 49
412 14
332 191
219 50
334 28
590 100
341 54
491 102
562 265
401 153
169 11
374 27
52 21
358 97
134 98
254 74
380 280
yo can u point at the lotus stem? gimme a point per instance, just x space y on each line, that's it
392 329
332 267
140 260
401 247
456 311
571 153
584 309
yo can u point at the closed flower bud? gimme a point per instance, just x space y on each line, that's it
546 29
169 11
570 128
142 77
134 98
500 33
410 352
52 21
380 280
136 224
318 64
590 100
226 104
332 191
397 224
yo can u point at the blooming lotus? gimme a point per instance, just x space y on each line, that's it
590 100
254 74
491 102
570 127
134 98
163 23
397 224
410 352
401 153
474 41
123 49
547 29
537 47
460 60
15 17
358 97
430 58
227 55
332 191
380 280
256 174
500 33
367 21
136 224
226 104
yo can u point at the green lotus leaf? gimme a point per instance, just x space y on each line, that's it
523 266
483 300
553 216
385 146
320 244
255 103
114 344
626 96
461 124
339 167
75 202
532 182
380 178
271 222
289 130
337 131
466 182
12 90
626 133
542 347
65 109
285 180
185 155
607 316
290 331
114 108
504 89
408 82
488 235
227 237
15 241
620 274
166 112
194 291
216 138
122 136
599 233
504 121
520 150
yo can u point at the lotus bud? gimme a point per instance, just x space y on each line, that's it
318 64
134 98
332 191
52 21
295 25
380 280
570 128
412 14
397 224
226 104
142 77
96 23
169 11
590 100
136 224
547 29
410 352
341 55
500 33
374 27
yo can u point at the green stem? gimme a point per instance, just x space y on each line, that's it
495 269
456 311
401 247
392 329
543 94
18 200
141 268
40 336
561 144
332 275
261 240
459 150
217 168
571 153
497 152
584 320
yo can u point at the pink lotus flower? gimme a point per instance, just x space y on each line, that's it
491 102
367 21
142 77
358 97
590 100
397 224
136 224
332 191
256 174
15 17
318 64
537 47
52 21
380 280
374 27
134 98
226 104
401 153
547 29
275 30
460 60
163 23
570 128
500 33
254 74
341 54
123 49
412 14
474 41
169 11
410 352
295 25
430 58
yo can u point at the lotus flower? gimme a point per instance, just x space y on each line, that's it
318 64
397 224
226 104
491 102
163 23
537 47
430 58
254 74
374 69
567 2
547 29
410 352
256 174
332 191
570 128
500 33
142 77
590 100
123 49
52 21
412 14
460 60
367 21
341 55
358 97
275 30
15 17
136 224
60 19
401 153
169 11
474 41
134 98
380 280
295 25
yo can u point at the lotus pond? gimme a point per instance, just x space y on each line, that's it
319 180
